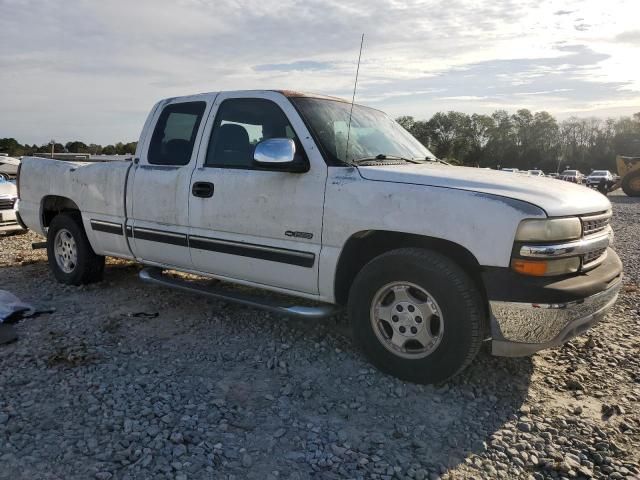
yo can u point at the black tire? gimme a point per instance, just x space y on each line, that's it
630 184
463 313
4 176
88 267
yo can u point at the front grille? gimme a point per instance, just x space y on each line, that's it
7 203
595 224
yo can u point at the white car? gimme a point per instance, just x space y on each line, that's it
8 197
8 167
536 173
573 176
272 190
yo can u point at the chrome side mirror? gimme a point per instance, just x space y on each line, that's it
275 152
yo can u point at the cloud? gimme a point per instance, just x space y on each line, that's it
293 66
91 70
631 36
557 84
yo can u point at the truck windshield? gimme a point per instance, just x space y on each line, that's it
373 135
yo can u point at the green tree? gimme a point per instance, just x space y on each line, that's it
76 147
406 122
11 147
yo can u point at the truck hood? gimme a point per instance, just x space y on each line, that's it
555 197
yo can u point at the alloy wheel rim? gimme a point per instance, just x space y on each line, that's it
65 250
407 320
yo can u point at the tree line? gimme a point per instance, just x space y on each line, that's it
12 147
524 140
527 140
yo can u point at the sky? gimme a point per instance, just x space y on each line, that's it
90 70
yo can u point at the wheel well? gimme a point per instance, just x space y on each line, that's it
363 247
52 205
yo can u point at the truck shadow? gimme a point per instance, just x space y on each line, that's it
434 426
319 377
265 374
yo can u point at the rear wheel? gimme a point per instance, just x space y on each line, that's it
71 258
631 184
417 315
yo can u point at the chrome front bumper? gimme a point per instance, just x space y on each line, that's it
520 329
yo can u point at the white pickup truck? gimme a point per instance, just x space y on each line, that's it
287 192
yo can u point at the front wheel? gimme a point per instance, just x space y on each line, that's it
417 315
71 258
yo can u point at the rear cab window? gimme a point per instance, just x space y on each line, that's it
175 133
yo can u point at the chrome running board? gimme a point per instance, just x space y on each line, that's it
154 275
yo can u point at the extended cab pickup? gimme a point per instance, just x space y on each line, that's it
291 193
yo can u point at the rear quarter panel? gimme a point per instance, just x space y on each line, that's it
98 189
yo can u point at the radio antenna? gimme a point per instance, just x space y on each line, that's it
353 99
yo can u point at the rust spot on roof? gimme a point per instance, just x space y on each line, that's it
293 93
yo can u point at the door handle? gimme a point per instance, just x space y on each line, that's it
202 189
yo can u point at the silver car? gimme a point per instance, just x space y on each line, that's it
8 197
597 176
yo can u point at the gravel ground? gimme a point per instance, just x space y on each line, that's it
208 389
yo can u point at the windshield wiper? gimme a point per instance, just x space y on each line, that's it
436 159
382 157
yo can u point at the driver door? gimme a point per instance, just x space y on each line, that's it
256 225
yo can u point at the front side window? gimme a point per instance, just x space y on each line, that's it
370 132
240 124
175 133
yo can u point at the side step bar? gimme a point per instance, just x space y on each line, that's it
154 275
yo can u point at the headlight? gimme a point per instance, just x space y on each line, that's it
544 231
549 230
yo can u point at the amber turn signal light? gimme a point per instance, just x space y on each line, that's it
546 268
535 268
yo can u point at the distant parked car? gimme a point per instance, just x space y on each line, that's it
597 176
8 196
512 170
8 167
603 180
552 175
573 176
536 173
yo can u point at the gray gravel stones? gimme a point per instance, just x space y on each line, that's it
213 390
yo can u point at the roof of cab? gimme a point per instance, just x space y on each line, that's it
286 93
294 93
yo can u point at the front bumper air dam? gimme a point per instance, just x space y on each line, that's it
521 329
531 314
